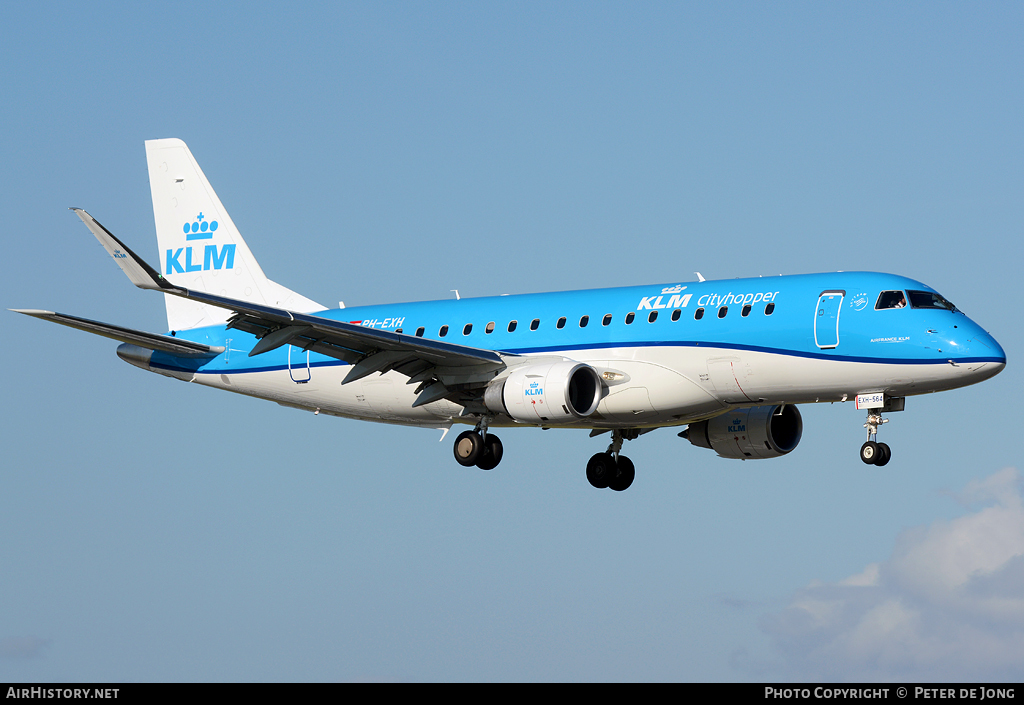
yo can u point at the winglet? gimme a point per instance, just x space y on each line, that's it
141 274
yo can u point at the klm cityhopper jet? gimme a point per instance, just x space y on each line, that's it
727 359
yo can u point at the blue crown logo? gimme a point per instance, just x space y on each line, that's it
199 229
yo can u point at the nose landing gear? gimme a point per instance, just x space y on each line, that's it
873 452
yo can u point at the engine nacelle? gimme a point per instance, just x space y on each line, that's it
546 393
748 434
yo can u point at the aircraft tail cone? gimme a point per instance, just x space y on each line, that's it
134 355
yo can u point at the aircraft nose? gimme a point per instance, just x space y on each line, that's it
983 344
987 355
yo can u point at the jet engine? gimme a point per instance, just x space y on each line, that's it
748 434
546 393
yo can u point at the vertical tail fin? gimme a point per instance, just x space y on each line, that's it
200 247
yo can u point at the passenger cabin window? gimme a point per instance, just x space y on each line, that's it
652 317
676 314
769 309
468 329
443 332
929 299
890 299
420 331
512 325
561 323
607 319
629 318
698 314
535 324
584 321
490 328
746 311
723 312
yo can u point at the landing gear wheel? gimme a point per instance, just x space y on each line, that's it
492 453
869 453
600 470
623 477
469 448
883 454
872 452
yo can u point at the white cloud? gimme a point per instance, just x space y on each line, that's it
947 605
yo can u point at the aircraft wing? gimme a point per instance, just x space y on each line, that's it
432 363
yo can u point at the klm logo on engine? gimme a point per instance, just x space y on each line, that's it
737 426
188 258
534 390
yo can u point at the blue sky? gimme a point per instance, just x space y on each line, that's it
388 152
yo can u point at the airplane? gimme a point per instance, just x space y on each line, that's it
729 360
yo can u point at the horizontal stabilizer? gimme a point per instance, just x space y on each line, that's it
150 341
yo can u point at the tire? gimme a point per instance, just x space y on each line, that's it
869 452
492 453
624 475
600 470
469 448
884 454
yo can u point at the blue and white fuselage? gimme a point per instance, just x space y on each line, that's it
727 359
662 367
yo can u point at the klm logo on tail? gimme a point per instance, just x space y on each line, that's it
200 229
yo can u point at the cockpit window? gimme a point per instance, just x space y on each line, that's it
890 299
929 299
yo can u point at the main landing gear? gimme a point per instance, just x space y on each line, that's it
477 447
873 452
610 469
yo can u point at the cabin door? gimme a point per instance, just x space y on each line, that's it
826 319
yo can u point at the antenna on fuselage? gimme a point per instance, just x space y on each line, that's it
700 277
457 297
